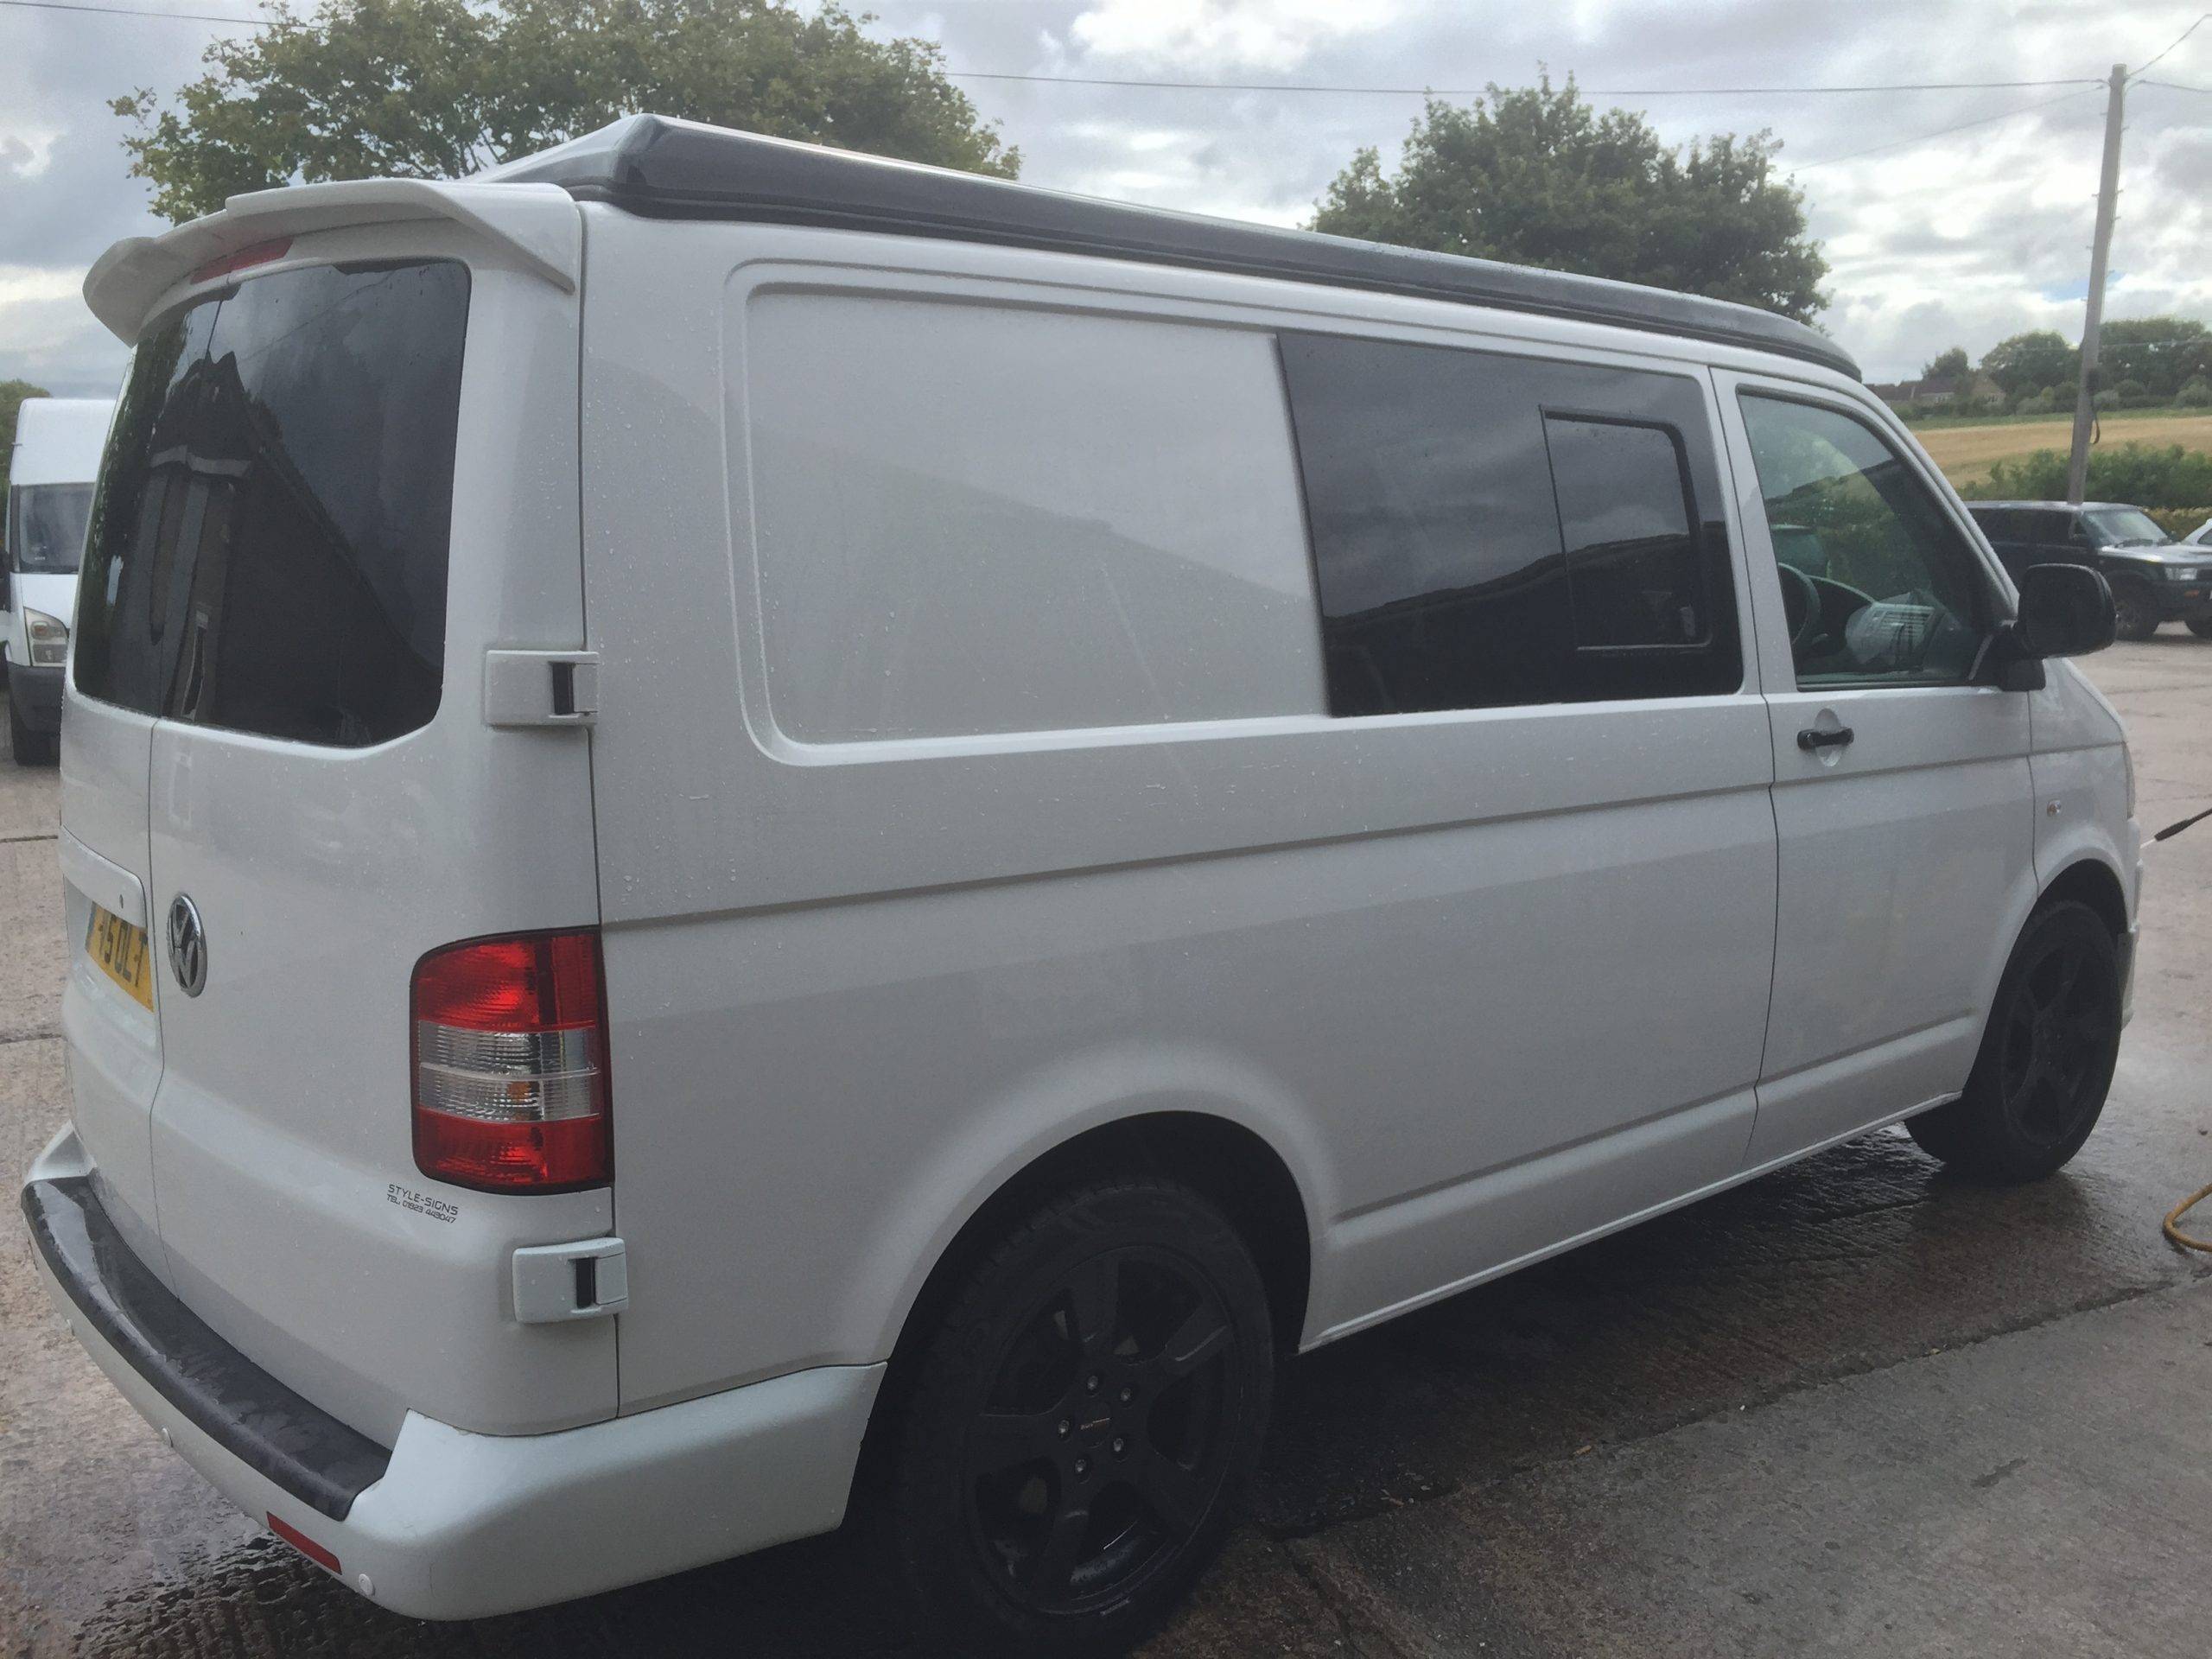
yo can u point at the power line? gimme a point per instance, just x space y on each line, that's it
2179 39
1942 132
1477 91
137 11
2175 86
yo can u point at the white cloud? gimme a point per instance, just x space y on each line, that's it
35 285
1199 38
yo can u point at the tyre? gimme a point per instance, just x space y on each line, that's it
28 747
2201 627
2039 1082
1080 1429
2132 616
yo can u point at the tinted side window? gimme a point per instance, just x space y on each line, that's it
1634 573
2048 529
1900 596
2004 524
1491 530
268 549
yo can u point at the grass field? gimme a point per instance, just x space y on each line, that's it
1967 453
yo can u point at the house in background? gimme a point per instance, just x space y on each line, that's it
1912 394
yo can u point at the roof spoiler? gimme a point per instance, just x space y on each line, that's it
129 280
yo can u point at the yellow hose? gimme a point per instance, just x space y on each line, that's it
2174 1214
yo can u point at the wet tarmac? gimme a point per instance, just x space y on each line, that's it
1856 1406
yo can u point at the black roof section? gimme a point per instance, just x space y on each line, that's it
652 165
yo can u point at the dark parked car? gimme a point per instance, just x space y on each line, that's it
2154 578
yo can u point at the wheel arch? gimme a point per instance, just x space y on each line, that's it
2090 880
1228 1163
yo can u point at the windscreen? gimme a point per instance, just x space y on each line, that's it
268 546
2125 527
45 525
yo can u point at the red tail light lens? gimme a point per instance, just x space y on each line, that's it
257 253
305 1545
511 1064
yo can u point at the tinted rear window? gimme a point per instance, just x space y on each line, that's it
47 525
1492 531
268 548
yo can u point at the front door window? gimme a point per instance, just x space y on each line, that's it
1879 586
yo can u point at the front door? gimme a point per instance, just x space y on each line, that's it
1902 796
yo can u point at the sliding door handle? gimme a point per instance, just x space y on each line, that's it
1812 739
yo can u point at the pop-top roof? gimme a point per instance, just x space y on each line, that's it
652 165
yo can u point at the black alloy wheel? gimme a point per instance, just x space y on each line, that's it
1084 1422
2039 1083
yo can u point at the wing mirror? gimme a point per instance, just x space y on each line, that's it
2065 610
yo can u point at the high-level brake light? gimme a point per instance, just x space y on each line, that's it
511 1064
256 253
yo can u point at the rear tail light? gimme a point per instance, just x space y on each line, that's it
511 1064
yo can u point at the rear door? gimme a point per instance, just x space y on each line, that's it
1901 795
338 482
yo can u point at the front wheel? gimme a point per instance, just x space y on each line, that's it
2201 627
1081 1426
2038 1084
2133 615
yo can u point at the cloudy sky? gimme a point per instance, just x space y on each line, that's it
1956 239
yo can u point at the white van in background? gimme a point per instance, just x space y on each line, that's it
57 456
747 828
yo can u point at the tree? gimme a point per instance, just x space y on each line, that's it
12 394
1947 365
2164 353
2025 364
442 88
1536 176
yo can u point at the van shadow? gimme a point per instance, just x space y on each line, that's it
1859 1258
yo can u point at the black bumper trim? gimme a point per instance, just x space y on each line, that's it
241 1408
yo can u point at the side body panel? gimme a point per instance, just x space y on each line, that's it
1485 981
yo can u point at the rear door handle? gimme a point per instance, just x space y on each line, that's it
1812 739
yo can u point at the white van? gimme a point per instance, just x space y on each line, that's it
748 828
50 473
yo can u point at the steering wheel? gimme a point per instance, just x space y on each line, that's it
1800 607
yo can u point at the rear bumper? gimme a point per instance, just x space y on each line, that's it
2183 605
36 693
447 1525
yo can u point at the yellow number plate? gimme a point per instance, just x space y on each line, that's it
119 950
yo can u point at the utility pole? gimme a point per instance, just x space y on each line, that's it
2085 407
